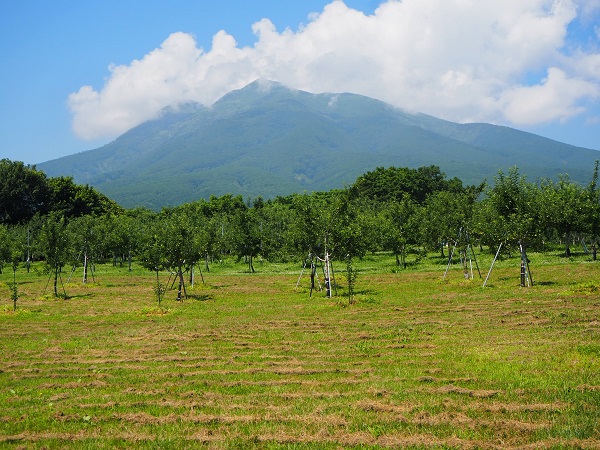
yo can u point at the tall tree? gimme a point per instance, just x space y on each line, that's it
24 192
75 200
385 184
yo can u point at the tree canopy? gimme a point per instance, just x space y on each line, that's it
26 192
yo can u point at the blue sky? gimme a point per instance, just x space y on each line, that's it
77 74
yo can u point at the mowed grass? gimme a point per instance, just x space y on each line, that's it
251 361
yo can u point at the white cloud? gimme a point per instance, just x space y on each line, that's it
555 98
463 60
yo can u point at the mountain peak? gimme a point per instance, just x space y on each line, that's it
267 139
189 107
257 89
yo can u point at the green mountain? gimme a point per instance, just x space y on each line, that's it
269 140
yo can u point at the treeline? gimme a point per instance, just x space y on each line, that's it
26 192
389 209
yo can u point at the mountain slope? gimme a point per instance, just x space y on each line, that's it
266 139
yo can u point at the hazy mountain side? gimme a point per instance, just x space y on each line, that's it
524 147
269 140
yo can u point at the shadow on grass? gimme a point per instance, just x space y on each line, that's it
200 297
74 297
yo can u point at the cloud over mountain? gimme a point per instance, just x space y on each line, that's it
509 62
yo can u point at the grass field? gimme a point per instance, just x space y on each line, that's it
249 361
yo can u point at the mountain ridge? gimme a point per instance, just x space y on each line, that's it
266 139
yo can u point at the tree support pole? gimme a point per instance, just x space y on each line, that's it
493 262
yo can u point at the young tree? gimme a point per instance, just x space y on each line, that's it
152 252
399 227
516 203
444 215
16 248
87 235
309 222
564 209
179 245
4 246
274 219
248 237
593 209
123 234
54 243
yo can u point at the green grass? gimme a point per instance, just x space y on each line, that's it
249 361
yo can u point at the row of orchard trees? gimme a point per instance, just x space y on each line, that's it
393 209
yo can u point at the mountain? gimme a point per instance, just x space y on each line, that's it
269 140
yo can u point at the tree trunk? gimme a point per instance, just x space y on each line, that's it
15 295
181 288
56 281
158 291
85 267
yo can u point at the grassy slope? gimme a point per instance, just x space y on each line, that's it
251 362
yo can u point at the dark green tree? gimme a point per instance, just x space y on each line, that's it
75 200
24 192
385 184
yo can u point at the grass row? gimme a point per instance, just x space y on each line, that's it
252 361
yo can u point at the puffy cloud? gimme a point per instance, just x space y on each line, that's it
463 60
555 98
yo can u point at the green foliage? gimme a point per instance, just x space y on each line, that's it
405 211
54 244
14 293
24 192
567 209
74 200
394 183
159 290
514 204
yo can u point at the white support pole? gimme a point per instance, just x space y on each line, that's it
493 262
